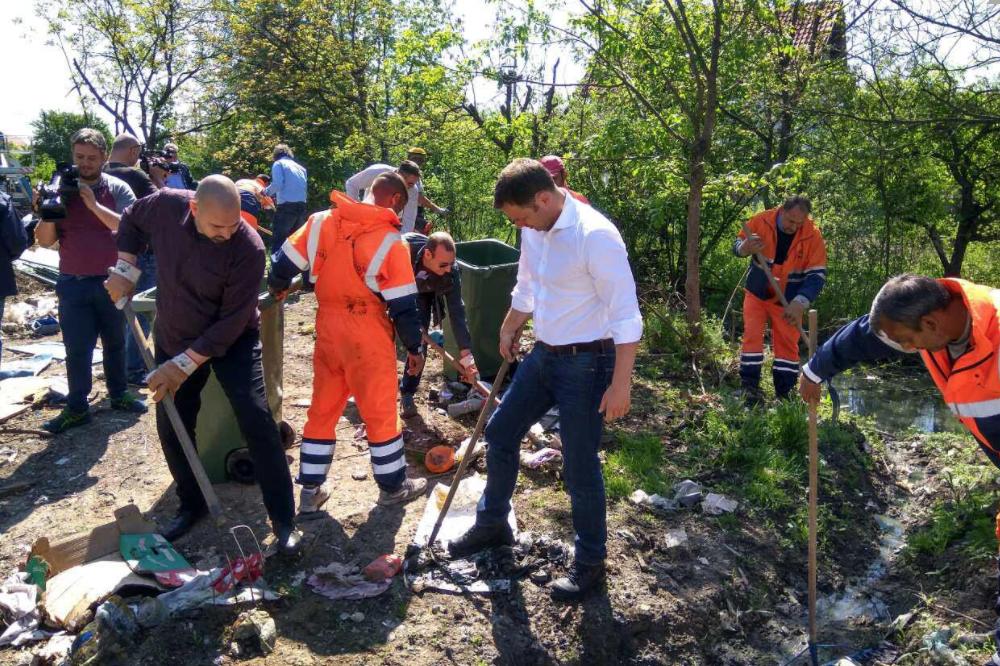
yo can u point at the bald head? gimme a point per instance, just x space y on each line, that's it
125 149
216 208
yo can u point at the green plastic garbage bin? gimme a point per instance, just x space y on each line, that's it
220 444
489 272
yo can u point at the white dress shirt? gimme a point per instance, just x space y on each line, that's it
576 281
363 180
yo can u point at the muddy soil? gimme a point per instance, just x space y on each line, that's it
733 594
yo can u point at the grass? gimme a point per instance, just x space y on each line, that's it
965 517
636 463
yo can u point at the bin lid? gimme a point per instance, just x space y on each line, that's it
485 253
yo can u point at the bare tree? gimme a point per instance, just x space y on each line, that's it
144 62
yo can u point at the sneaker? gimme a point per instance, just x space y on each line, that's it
67 419
129 402
480 537
311 500
407 407
582 579
410 490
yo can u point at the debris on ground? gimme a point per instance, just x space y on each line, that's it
473 403
657 502
439 459
687 493
220 586
108 637
463 448
383 568
674 538
19 611
715 504
255 631
461 515
536 459
345 581
55 651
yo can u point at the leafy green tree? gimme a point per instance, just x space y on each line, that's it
52 130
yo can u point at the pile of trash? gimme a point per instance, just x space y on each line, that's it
35 315
687 494
91 595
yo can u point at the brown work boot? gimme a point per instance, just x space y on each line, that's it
410 490
311 501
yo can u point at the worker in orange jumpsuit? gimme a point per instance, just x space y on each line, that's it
364 286
796 255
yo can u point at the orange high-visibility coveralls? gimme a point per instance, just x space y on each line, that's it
362 272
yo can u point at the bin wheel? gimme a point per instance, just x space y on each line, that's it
239 466
287 434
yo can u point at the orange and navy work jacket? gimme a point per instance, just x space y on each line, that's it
380 257
803 273
970 384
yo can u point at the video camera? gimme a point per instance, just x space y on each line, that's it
64 181
157 158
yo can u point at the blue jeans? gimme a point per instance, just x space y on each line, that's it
85 312
576 383
135 367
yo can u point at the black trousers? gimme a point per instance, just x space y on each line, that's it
241 374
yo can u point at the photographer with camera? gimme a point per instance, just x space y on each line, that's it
81 210
178 174
125 153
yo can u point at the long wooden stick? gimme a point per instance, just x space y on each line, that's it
467 458
762 263
187 446
813 496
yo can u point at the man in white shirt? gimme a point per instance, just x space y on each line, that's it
575 282
359 185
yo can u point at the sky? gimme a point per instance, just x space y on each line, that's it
36 75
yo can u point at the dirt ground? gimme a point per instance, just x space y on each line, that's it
733 594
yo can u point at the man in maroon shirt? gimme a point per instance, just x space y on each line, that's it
210 266
86 239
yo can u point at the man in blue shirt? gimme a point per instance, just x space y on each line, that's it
288 189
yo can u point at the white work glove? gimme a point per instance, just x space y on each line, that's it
122 278
468 363
167 378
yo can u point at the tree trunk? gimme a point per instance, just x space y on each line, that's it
696 185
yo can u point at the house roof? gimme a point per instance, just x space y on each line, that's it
815 26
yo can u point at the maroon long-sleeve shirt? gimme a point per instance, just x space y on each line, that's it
206 295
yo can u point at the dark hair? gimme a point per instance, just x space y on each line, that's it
90 137
798 201
906 299
409 168
391 182
520 181
440 239
282 150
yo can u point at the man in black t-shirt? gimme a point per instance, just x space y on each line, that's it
125 153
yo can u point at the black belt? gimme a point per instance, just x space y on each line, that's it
596 346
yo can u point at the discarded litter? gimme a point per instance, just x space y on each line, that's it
256 630
687 493
18 608
473 403
201 591
345 581
439 459
675 538
52 349
383 567
715 504
464 447
657 502
534 460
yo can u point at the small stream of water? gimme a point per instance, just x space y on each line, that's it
898 400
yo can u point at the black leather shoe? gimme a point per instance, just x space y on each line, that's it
289 540
182 523
481 537
582 579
